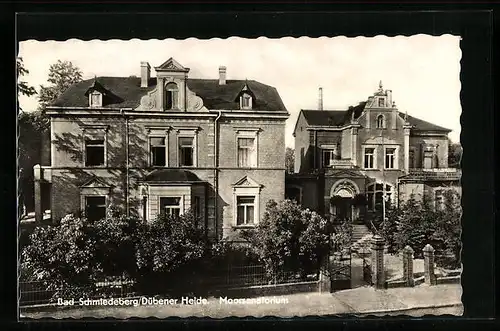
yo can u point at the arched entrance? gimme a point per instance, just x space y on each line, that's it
342 195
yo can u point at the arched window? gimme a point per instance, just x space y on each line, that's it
171 96
380 122
374 194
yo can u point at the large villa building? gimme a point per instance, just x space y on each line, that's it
346 161
168 143
216 147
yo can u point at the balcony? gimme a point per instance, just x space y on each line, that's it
434 174
340 164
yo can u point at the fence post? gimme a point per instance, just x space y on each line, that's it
378 271
408 266
430 278
324 276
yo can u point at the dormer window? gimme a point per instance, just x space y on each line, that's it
171 96
381 102
95 99
246 101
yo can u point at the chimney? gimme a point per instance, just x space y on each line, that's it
320 99
222 75
145 74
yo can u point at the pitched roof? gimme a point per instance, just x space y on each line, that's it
127 93
343 117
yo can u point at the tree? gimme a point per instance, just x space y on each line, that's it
454 154
290 238
62 75
290 160
22 86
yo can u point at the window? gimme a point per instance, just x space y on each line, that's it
95 99
329 156
246 152
390 155
411 158
374 193
246 101
186 151
170 205
158 151
381 102
197 208
245 210
380 122
171 96
439 199
94 152
95 208
369 157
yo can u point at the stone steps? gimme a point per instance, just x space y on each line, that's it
359 231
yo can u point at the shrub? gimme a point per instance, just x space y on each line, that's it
289 238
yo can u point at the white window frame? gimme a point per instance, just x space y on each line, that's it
174 95
252 133
381 100
245 206
374 156
396 157
243 95
188 133
91 103
246 188
92 191
181 202
95 133
151 150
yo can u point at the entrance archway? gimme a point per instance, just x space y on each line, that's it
342 194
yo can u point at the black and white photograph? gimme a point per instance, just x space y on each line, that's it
237 177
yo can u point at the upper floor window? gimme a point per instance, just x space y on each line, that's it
247 154
186 151
380 122
96 99
170 205
390 158
369 158
375 195
158 150
94 152
329 156
381 102
246 101
171 96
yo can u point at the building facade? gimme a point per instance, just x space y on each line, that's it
167 143
352 163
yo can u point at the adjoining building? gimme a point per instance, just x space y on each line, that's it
168 143
350 163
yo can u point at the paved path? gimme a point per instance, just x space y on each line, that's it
415 301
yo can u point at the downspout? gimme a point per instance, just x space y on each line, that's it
126 162
216 171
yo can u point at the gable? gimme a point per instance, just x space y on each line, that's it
95 183
246 182
171 65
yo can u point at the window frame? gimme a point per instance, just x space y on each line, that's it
187 133
374 157
151 150
381 102
245 206
395 159
252 133
86 196
333 149
91 101
246 187
180 205
171 94
252 159
246 96
380 116
389 193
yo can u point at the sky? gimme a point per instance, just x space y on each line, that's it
422 71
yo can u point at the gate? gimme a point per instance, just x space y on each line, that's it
340 270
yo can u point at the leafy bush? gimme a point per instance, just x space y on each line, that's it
289 238
417 223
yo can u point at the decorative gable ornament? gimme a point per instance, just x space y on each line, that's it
171 65
96 93
245 98
149 102
95 182
247 182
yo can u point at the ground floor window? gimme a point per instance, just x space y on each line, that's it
245 210
374 194
95 208
170 205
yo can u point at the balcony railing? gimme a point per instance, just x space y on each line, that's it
435 173
340 164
